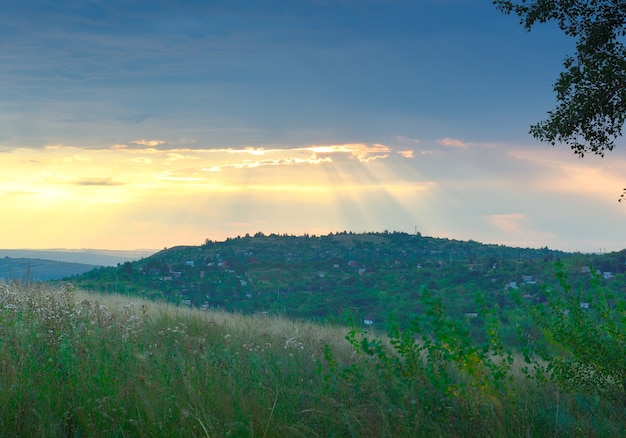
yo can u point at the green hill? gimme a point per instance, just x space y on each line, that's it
370 276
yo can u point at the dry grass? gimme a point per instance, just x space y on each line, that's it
73 363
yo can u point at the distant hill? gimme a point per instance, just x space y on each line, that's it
372 275
28 269
96 257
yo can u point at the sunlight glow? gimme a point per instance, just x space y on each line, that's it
156 188
149 193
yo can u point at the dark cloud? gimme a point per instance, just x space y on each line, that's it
98 182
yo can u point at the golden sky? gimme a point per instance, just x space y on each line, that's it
152 194
139 195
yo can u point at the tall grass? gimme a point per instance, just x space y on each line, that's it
78 364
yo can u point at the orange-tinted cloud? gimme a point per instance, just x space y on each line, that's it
453 142
150 143
511 223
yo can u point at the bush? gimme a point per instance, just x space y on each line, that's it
581 345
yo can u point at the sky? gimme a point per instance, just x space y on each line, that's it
128 124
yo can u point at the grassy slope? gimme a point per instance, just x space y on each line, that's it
79 364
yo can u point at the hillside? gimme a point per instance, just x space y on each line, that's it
370 276
79 364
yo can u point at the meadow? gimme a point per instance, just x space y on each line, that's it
80 364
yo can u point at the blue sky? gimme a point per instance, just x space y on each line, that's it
149 124
238 73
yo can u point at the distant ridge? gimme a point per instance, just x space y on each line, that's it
28 269
96 257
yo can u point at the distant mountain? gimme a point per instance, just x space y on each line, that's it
28 269
96 257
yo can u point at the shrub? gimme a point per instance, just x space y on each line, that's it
581 345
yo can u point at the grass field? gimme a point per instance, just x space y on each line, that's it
78 364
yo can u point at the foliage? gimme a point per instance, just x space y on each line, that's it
437 365
80 364
445 382
313 277
591 90
582 346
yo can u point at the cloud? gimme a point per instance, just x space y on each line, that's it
174 156
57 147
453 142
98 182
406 154
358 151
72 159
246 150
150 143
251 157
19 193
250 164
406 141
511 223
557 170
141 160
